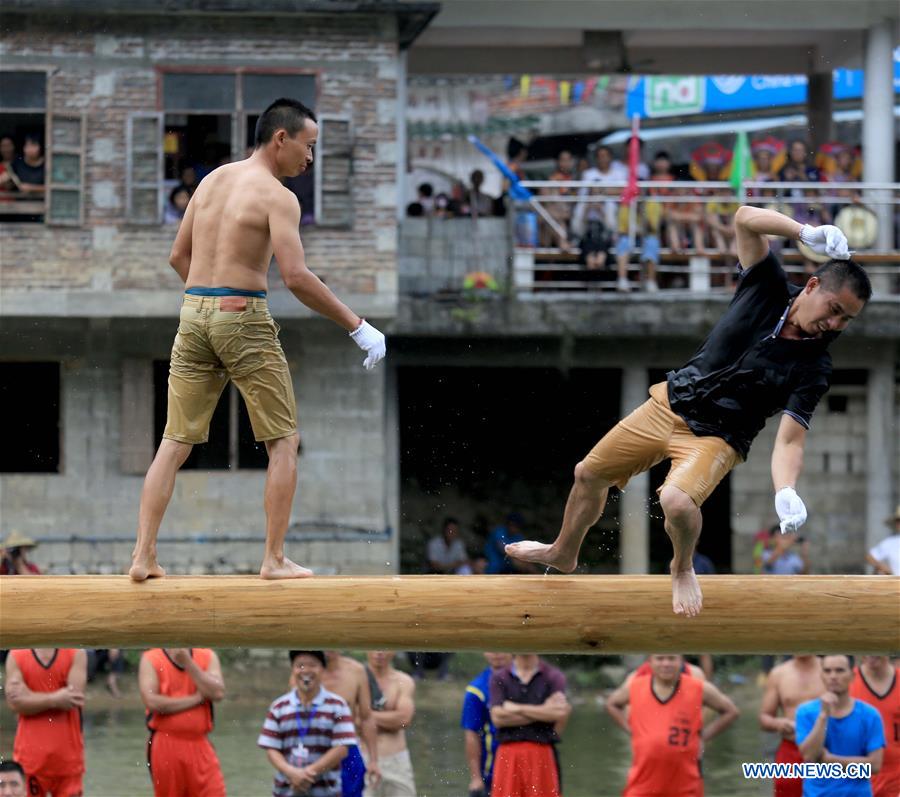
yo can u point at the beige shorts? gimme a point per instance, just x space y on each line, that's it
653 433
396 777
221 338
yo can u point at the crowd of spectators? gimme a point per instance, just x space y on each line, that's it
603 232
590 224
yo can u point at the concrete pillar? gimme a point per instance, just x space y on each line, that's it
634 520
402 154
881 434
878 125
819 93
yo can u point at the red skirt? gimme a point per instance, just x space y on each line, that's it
525 769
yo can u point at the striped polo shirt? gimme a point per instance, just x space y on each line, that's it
326 723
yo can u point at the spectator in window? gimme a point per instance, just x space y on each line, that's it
885 557
447 552
9 180
178 202
189 179
561 212
14 556
30 167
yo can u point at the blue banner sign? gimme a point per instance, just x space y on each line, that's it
679 95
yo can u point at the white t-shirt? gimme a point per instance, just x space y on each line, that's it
617 173
888 551
445 555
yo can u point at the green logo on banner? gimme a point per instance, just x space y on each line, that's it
673 96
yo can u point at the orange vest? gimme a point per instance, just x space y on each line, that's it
665 739
175 682
50 743
888 705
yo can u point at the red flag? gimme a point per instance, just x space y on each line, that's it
630 192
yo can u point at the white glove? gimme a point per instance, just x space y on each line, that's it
371 341
826 240
790 508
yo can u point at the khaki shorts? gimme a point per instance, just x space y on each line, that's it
214 345
653 433
397 778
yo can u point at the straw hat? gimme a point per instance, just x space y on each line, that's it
17 540
859 224
893 518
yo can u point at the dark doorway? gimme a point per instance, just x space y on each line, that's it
478 443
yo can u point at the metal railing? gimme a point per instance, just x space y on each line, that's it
705 259
493 257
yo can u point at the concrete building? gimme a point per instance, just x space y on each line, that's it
127 96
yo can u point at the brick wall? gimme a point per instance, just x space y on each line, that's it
108 75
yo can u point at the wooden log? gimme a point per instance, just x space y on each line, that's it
544 614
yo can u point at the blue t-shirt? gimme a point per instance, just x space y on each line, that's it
857 734
476 716
497 560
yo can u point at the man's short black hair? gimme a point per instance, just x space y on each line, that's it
515 146
283 113
426 189
835 274
448 520
850 661
12 766
316 654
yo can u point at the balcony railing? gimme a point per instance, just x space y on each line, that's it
504 256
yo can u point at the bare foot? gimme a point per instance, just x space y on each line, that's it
686 596
541 554
144 568
274 569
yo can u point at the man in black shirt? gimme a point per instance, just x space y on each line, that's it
767 353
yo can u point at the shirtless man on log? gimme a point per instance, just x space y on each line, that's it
239 216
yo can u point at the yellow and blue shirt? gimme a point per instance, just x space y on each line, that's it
476 717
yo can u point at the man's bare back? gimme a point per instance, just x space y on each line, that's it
229 226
